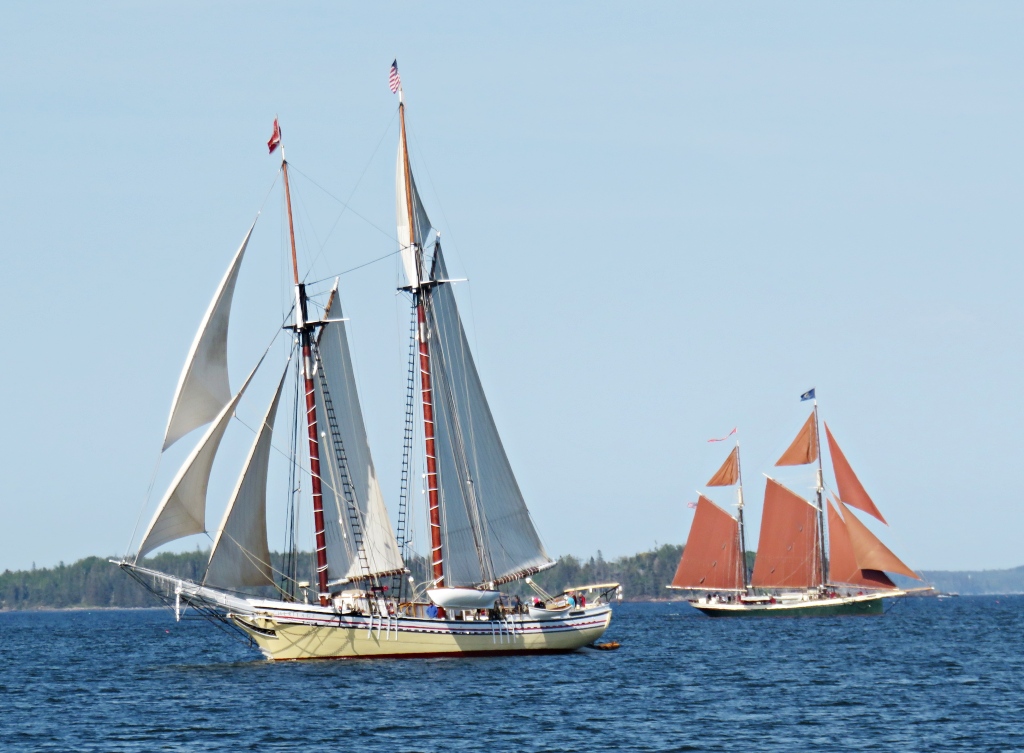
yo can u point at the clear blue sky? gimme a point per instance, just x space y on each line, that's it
675 218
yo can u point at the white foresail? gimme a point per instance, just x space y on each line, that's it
408 237
241 555
203 387
380 549
182 511
487 531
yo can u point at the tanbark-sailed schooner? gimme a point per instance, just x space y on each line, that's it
481 533
795 573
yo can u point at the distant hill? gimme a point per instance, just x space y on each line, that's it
94 582
1009 581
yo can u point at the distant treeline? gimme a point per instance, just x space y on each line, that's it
95 582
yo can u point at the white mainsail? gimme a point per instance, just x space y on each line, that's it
409 238
182 511
380 548
203 387
487 531
241 554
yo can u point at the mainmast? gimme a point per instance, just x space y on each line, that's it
426 388
822 557
305 332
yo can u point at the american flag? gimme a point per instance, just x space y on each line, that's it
692 505
393 79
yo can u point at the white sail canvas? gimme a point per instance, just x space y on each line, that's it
182 511
380 548
241 554
203 387
409 237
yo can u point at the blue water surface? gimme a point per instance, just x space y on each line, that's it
930 675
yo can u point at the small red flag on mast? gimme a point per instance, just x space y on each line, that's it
275 138
725 437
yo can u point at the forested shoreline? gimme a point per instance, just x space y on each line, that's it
94 582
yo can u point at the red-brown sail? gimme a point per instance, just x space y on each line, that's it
711 559
729 473
805 447
787 552
842 563
850 489
871 553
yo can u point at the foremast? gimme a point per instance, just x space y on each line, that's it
739 519
415 250
304 329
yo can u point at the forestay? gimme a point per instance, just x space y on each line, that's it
241 555
379 545
203 387
487 531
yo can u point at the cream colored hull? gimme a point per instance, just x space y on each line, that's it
311 632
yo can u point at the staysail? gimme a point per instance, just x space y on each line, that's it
203 387
182 511
241 555
488 533
842 562
787 551
353 482
871 553
850 489
711 558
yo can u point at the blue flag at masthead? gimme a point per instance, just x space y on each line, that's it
809 395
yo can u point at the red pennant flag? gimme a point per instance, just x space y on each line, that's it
275 138
725 437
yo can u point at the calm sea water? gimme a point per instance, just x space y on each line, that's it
931 675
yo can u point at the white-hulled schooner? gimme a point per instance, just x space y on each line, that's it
481 533
795 574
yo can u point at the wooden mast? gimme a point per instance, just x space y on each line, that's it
739 517
822 558
305 332
426 388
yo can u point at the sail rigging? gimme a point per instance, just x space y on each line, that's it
203 387
871 553
788 545
712 559
413 222
851 492
487 531
843 567
804 448
360 539
240 555
182 511
729 473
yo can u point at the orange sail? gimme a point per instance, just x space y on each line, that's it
787 552
711 559
850 489
871 553
805 447
842 562
729 473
